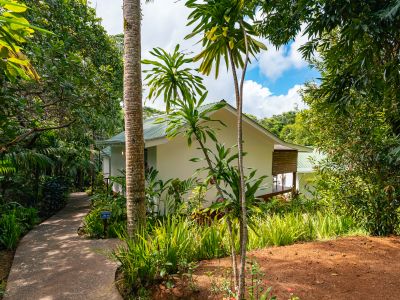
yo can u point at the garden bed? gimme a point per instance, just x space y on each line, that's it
346 268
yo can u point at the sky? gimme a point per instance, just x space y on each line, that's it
273 80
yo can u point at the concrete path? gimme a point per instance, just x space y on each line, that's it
52 262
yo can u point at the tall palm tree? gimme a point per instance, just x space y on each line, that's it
134 140
226 34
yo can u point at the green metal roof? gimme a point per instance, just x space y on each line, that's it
306 162
106 151
151 131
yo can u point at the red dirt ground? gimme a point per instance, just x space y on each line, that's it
6 258
346 268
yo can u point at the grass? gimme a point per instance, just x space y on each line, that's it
281 230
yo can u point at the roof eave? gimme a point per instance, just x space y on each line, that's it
268 133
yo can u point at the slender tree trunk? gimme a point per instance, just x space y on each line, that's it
91 158
134 141
243 242
228 219
242 191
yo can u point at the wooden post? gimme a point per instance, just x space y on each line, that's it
294 190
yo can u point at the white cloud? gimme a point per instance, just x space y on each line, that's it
261 102
164 25
274 62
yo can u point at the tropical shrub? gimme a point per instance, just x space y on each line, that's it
55 193
15 220
166 245
94 225
176 240
298 204
10 231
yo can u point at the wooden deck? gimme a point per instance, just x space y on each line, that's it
278 190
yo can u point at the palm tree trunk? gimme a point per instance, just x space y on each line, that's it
134 141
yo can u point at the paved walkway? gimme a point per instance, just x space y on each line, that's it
52 262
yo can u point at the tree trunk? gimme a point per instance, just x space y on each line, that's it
242 191
134 141
243 242
228 219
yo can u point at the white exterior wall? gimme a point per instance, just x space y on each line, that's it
106 166
173 157
118 164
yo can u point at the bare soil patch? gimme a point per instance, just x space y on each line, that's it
346 268
6 259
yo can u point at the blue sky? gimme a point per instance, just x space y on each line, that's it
273 80
288 79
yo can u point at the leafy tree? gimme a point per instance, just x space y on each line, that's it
360 176
354 111
276 123
298 132
76 100
150 112
225 33
360 42
14 31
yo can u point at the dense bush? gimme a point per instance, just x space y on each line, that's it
15 220
55 194
93 224
166 246
298 204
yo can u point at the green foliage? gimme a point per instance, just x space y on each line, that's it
221 24
48 127
55 194
299 131
93 225
296 204
290 126
169 76
354 110
15 220
10 231
155 189
154 255
359 45
286 229
276 123
14 31
157 253
191 118
176 192
360 175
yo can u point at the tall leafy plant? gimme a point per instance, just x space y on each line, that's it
171 77
226 34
